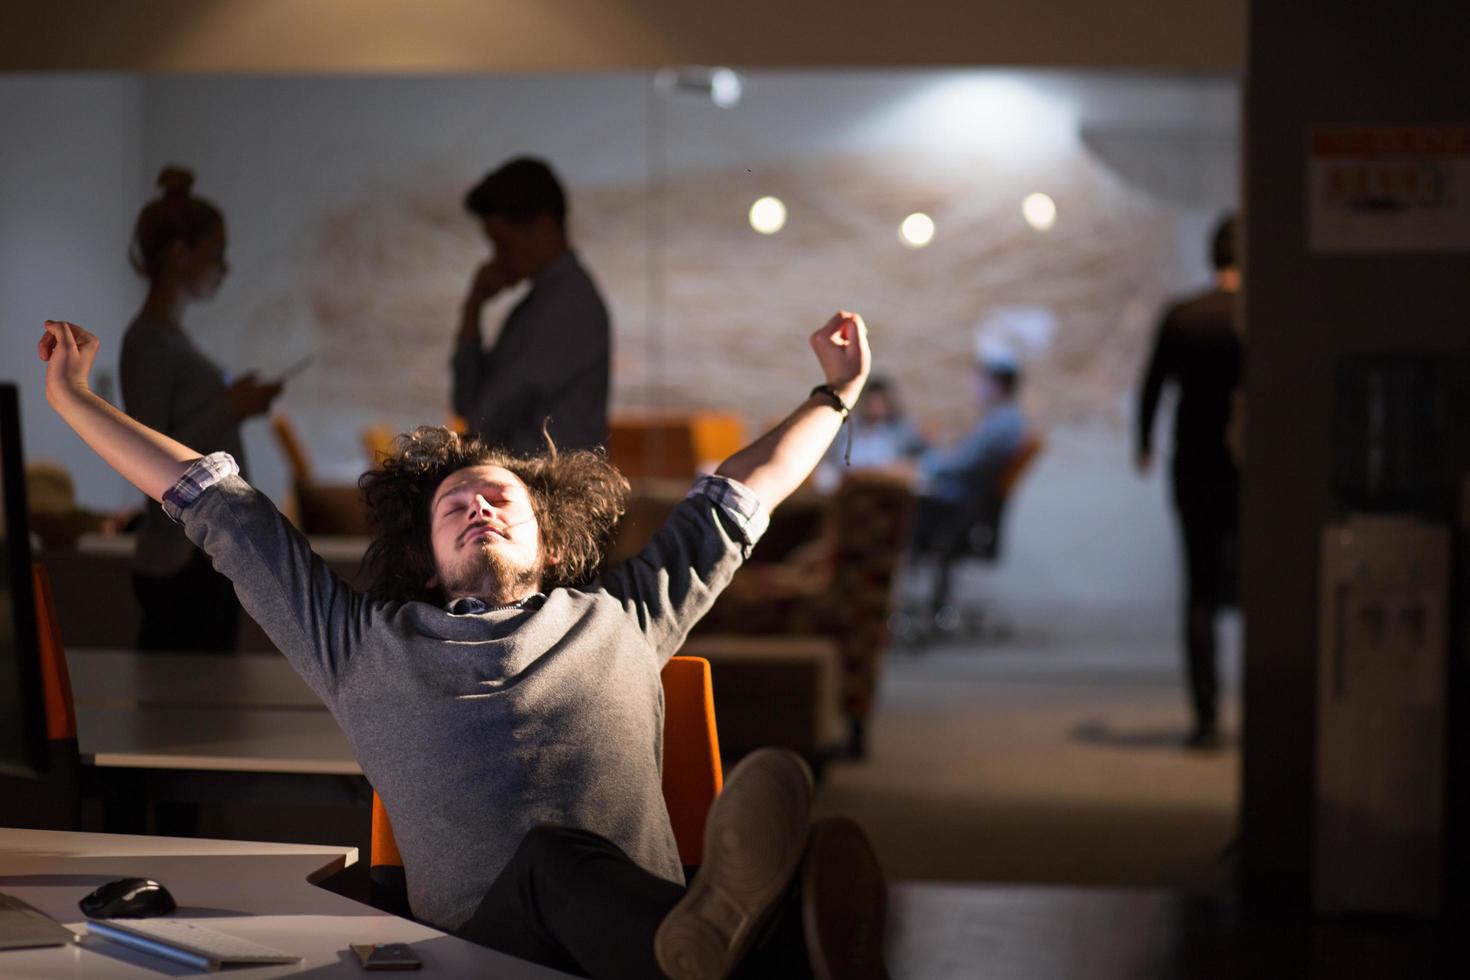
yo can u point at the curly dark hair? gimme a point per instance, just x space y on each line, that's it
578 498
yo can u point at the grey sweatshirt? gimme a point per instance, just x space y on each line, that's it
476 728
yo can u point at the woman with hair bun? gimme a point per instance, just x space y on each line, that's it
170 385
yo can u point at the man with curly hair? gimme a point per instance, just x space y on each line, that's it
503 697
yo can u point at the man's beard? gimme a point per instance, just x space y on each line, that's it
486 574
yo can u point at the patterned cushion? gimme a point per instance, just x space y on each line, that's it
845 593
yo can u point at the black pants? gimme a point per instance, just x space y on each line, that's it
1209 518
575 902
193 609
943 530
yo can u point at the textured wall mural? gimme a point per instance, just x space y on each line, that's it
708 313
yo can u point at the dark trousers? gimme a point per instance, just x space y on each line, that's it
1209 518
945 531
573 901
193 609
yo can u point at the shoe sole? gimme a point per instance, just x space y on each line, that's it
753 842
844 903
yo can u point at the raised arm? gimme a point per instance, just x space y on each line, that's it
776 463
147 459
677 576
309 614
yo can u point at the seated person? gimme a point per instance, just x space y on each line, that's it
879 436
959 485
488 683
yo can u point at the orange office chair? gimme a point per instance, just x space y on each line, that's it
53 802
377 443
292 448
693 777
61 712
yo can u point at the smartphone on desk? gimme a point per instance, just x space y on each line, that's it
387 956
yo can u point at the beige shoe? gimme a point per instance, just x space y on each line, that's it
844 903
753 843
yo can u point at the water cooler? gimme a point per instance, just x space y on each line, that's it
1383 665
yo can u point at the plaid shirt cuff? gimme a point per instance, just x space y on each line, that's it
738 502
202 475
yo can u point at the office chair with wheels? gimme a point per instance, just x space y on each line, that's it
693 777
973 535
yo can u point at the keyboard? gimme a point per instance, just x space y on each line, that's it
188 942
24 927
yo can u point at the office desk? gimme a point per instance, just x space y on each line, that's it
206 728
231 712
260 892
216 713
93 585
150 736
123 678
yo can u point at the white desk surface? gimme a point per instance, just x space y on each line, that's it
258 892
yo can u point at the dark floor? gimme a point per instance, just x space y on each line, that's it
1041 778
1053 756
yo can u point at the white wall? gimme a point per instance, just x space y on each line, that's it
69 191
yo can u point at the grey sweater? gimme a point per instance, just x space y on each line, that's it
476 728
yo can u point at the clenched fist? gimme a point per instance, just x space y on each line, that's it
841 346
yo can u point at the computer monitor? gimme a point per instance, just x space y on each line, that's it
22 709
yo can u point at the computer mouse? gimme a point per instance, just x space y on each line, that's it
128 898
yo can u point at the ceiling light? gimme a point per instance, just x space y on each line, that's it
917 230
721 86
768 215
1040 211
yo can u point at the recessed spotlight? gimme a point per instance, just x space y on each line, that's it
768 215
917 230
721 86
1040 211
725 88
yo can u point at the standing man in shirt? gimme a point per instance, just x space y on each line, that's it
1198 349
552 358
